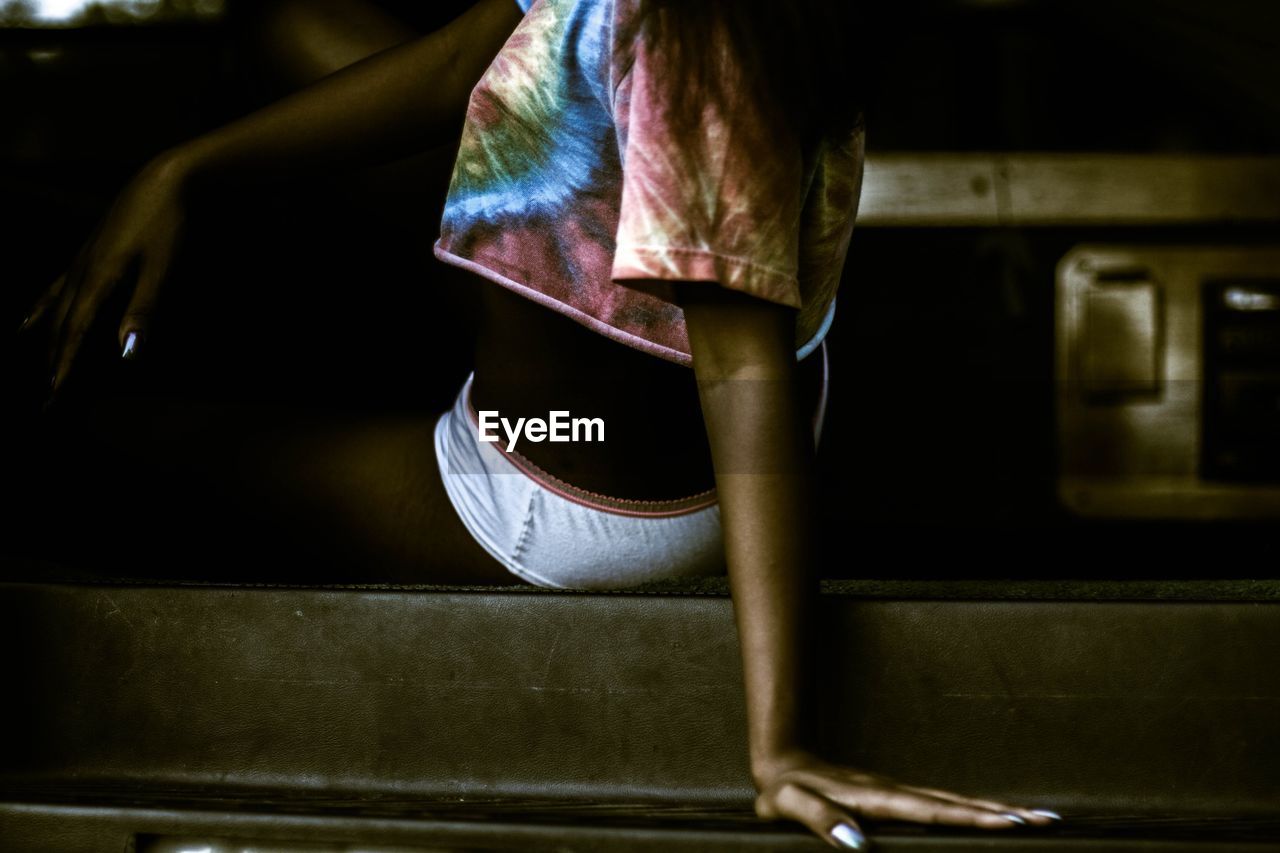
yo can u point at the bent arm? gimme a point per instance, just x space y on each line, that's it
762 449
404 99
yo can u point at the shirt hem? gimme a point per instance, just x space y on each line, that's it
594 323
680 264
599 326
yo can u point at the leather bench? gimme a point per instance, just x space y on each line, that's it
484 718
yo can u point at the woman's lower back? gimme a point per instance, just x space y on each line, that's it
531 361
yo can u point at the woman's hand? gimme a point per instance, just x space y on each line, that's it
827 798
132 247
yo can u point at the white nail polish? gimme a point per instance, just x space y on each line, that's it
849 837
130 345
1010 816
1046 813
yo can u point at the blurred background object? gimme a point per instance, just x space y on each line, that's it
83 13
1169 380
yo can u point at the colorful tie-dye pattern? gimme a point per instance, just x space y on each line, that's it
567 189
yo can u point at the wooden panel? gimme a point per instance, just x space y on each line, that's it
928 190
956 190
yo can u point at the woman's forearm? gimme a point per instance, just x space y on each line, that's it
762 450
767 528
402 100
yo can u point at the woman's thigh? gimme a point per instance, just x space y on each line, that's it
356 498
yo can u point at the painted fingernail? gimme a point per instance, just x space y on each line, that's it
1046 813
132 342
849 837
23 325
51 396
1021 821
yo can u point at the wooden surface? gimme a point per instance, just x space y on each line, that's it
957 190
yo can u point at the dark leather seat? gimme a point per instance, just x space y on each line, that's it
483 717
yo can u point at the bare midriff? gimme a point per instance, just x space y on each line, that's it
531 361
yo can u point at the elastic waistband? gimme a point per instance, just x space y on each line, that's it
606 503
594 500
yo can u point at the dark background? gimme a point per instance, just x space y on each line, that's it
939 455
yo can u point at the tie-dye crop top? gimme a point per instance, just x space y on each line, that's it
568 190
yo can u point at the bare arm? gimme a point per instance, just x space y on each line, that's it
745 367
744 360
404 99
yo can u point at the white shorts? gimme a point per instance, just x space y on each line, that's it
553 534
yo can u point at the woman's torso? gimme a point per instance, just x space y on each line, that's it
531 361
536 206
